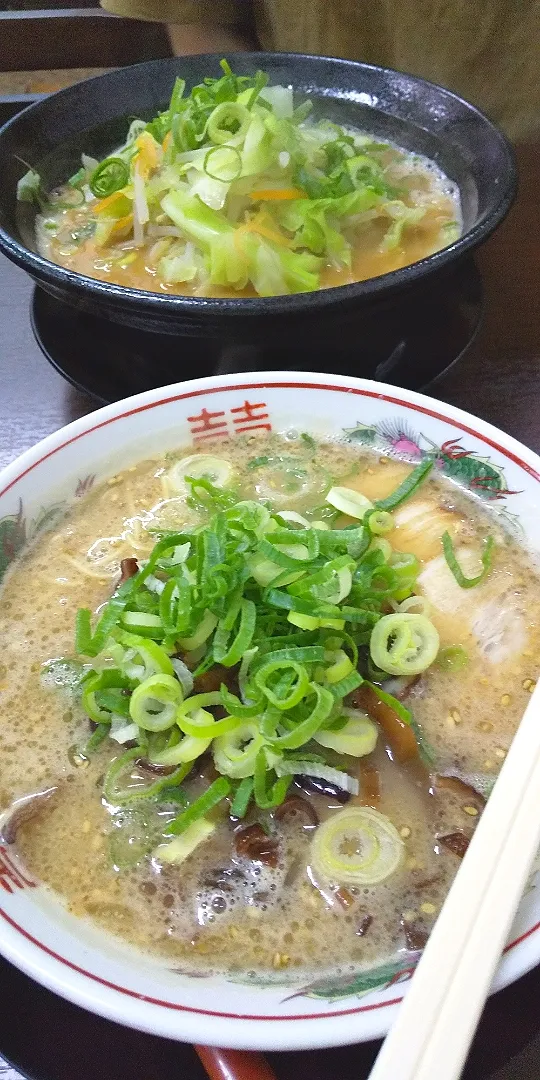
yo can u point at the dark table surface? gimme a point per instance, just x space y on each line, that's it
499 380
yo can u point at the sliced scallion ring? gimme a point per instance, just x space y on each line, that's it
231 118
349 502
403 644
111 175
193 717
199 467
154 703
140 658
357 737
223 163
420 605
235 754
187 750
356 846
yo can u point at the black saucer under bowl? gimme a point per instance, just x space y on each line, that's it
408 343
92 117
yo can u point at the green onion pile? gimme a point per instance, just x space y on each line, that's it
297 613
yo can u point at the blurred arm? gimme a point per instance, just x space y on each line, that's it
195 26
195 38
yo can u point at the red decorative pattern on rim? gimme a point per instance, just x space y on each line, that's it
280 386
213 1012
11 875
249 418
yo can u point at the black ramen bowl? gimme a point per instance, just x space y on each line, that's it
417 115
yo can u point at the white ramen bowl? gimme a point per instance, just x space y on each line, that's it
81 962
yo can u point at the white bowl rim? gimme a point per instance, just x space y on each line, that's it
116 1003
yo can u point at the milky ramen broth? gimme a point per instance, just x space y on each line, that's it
247 906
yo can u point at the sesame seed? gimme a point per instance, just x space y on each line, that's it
486 726
428 909
484 680
405 832
506 699
409 916
500 753
470 810
456 716
86 826
280 960
528 684
488 764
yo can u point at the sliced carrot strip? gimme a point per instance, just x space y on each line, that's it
149 152
104 204
258 225
276 194
122 223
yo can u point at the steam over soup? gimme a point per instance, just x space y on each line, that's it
297 671
232 191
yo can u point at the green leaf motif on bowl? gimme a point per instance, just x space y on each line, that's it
335 988
396 438
12 537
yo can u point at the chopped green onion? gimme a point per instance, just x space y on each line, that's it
303 731
407 488
111 175
357 846
452 658
223 163
242 798
404 643
200 807
236 752
453 565
154 703
176 851
97 737
266 798
193 719
379 522
123 796
350 502
143 623
292 693
231 118
403 713
231 654
357 737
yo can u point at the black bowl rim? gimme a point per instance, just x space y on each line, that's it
171 304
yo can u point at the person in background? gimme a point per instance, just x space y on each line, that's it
486 50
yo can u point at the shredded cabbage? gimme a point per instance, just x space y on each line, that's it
259 194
